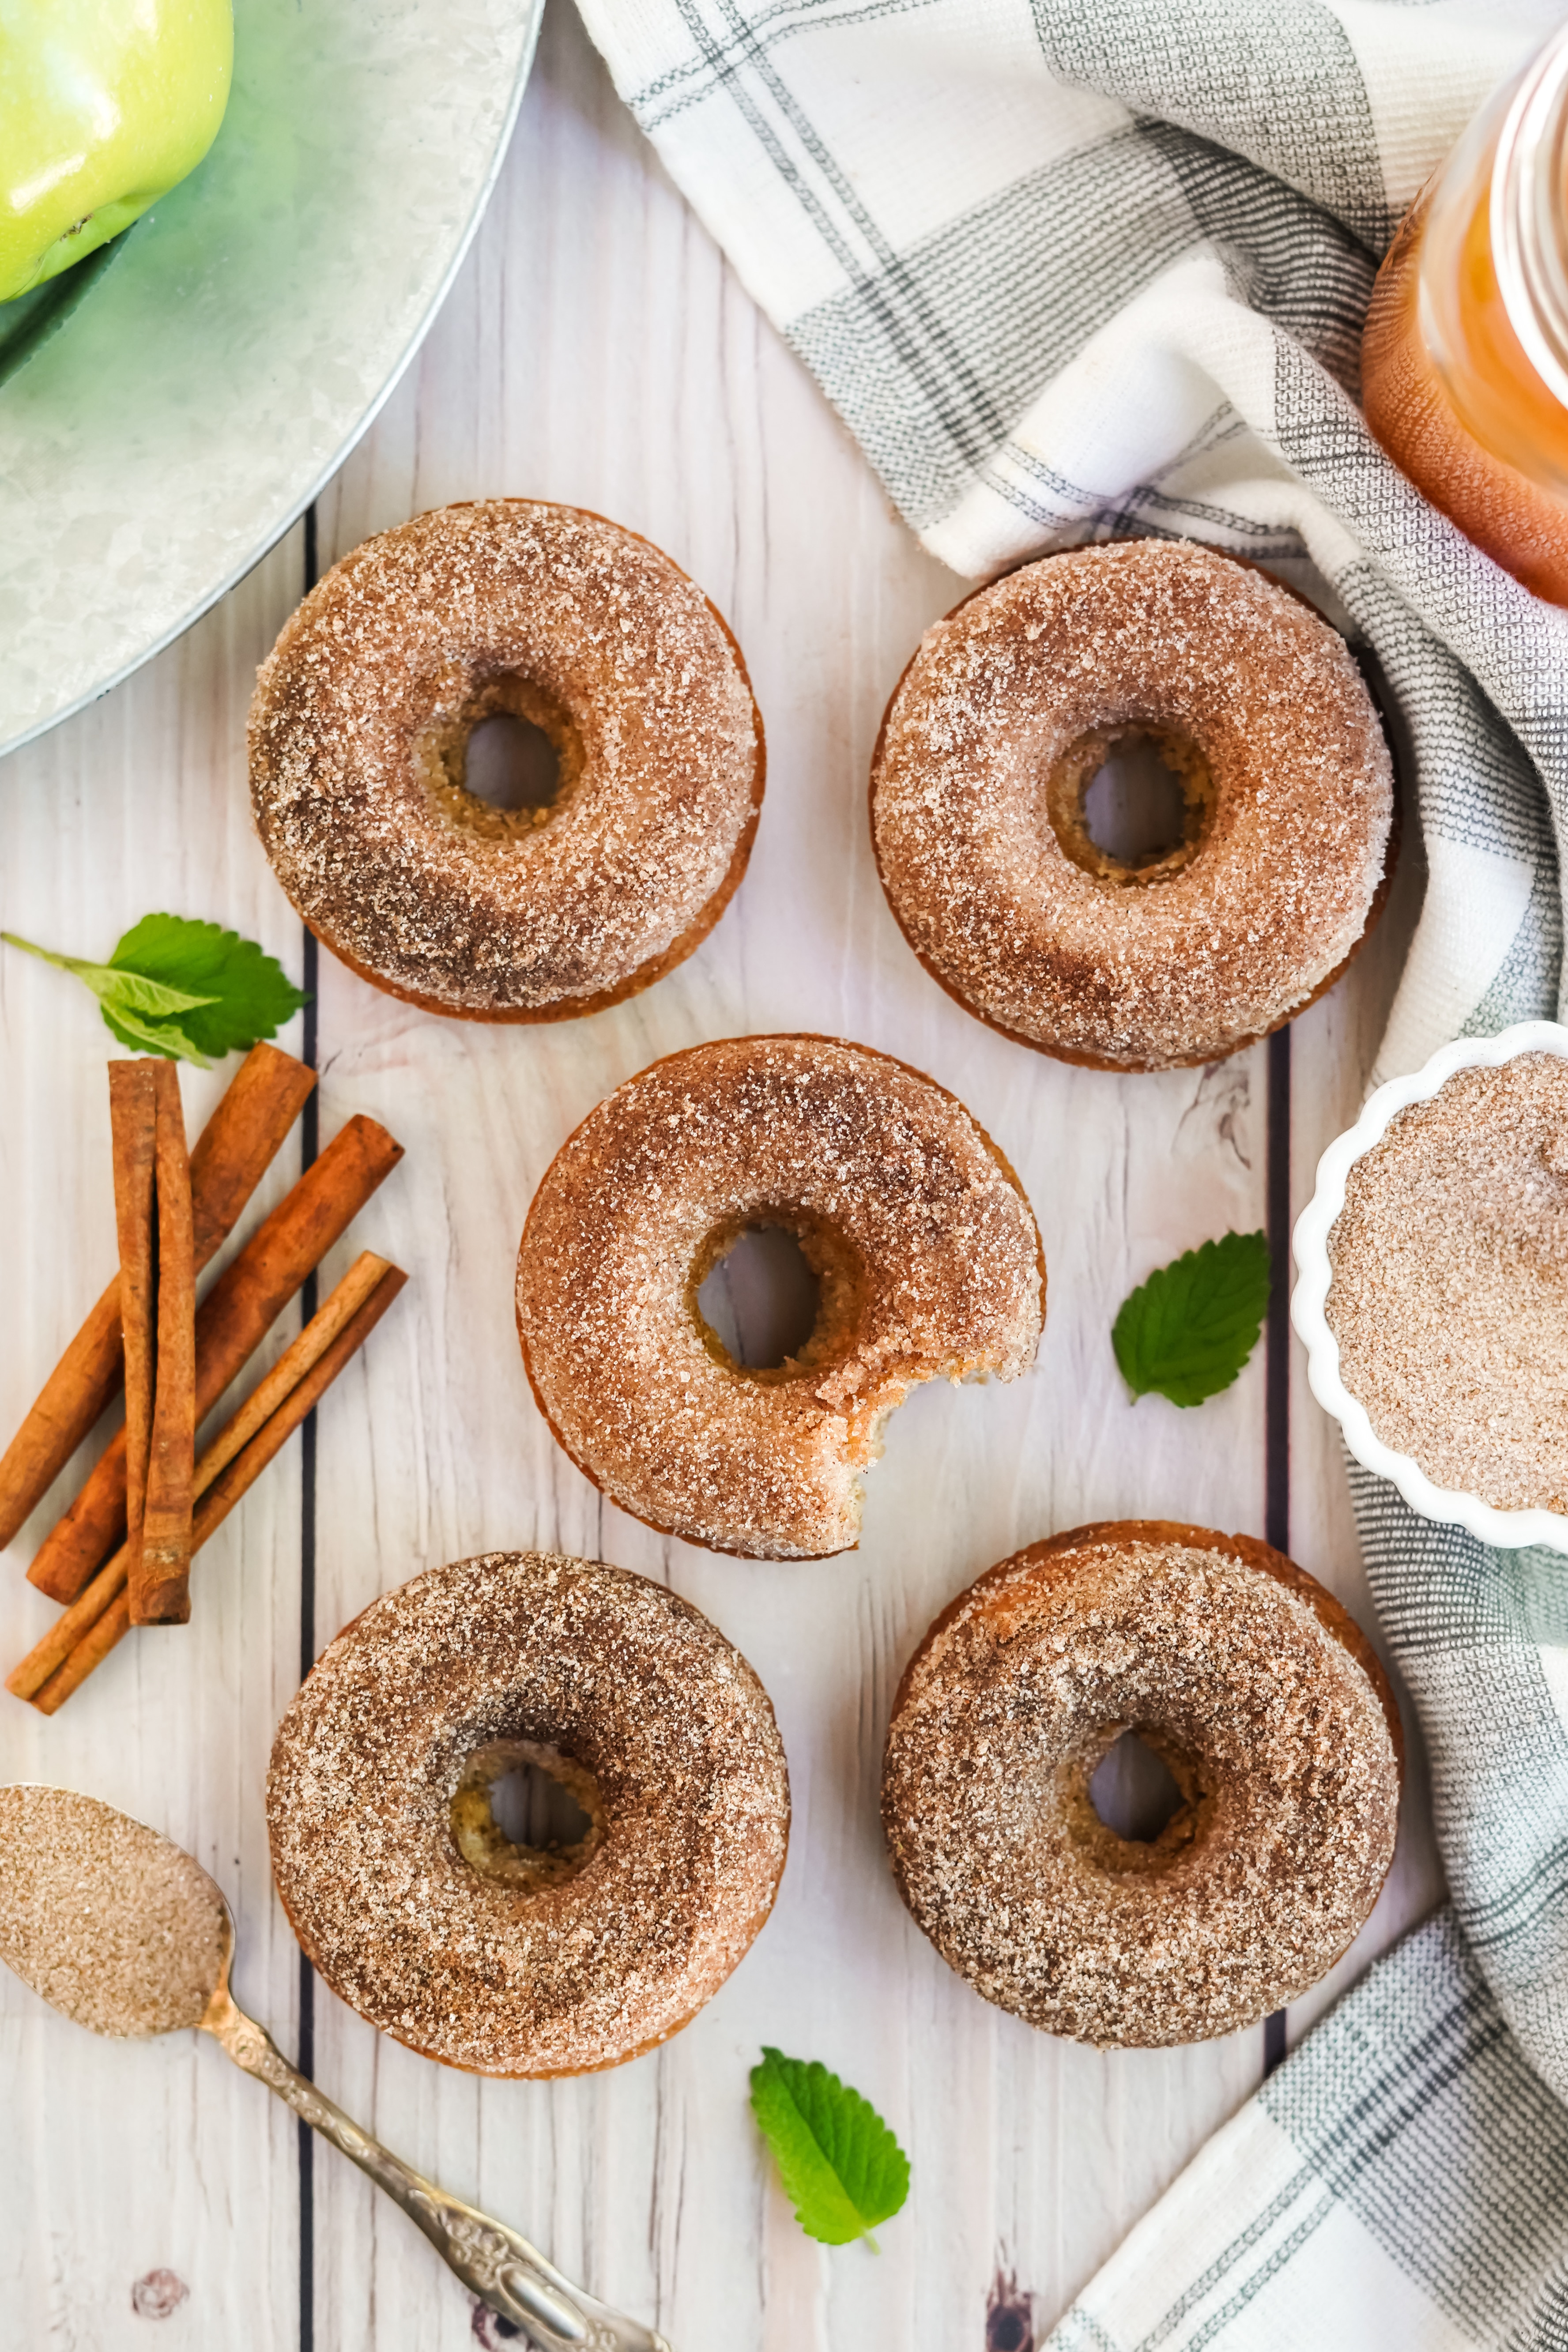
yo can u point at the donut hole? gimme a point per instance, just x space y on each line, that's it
1133 1798
1134 1791
503 763
509 763
524 1812
762 1299
1134 809
534 1809
1130 805
773 1295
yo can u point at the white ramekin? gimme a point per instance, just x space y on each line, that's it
1508 1530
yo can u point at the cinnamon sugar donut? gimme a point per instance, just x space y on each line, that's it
1268 1706
998 727
358 742
926 1252
413 1904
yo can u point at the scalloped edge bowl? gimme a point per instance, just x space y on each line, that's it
1508 1530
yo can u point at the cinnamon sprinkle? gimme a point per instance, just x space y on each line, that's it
104 1918
929 1253
632 1685
1449 1288
1276 1733
357 735
1179 640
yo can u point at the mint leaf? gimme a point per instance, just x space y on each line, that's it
238 994
125 989
142 1013
842 2169
166 1037
1187 1332
191 992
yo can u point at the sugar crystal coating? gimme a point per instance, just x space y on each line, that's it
106 1919
404 873
1449 1286
1265 1700
617 1673
1150 634
932 1263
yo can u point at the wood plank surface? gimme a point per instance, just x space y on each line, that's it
124 2158
596 350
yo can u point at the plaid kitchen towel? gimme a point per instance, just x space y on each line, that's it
1076 268
1401 2183
1070 268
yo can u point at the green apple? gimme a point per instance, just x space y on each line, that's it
104 106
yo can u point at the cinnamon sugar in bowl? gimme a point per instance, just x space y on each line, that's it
1433 1286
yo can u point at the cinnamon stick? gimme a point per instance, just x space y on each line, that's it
160 1565
133 1127
72 1626
357 1287
110 1628
231 1322
240 1141
235 1149
82 1384
300 1357
215 1505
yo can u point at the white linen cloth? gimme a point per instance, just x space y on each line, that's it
1076 268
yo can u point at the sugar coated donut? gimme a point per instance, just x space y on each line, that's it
995 733
357 744
416 1908
926 1249
1269 1707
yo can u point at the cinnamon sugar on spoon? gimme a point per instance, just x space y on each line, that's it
105 1919
1449 1284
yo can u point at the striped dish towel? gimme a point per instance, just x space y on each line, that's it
1074 268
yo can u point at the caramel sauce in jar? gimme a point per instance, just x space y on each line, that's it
1465 352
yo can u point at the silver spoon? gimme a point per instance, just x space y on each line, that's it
122 1932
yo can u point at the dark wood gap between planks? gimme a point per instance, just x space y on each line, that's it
310 1145
1277 1370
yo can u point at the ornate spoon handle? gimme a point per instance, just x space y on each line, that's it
501 2267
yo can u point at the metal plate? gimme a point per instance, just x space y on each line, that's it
192 400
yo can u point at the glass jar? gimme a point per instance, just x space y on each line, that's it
1465 352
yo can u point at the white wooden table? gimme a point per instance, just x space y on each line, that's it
596 349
